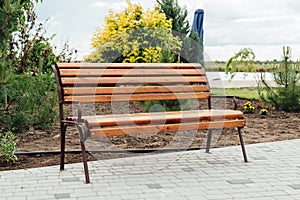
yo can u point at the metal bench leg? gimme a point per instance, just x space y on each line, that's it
85 165
63 128
208 142
242 145
84 154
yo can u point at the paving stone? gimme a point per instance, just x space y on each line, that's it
74 179
188 169
217 162
154 186
180 175
62 196
240 181
258 158
295 186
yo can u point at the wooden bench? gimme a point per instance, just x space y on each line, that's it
80 83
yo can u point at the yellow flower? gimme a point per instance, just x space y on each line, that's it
263 112
248 107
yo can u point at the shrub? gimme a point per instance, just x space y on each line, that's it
32 102
286 94
8 146
135 35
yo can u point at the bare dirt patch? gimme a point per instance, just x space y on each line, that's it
275 126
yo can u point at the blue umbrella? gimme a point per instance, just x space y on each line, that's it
198 23
198 28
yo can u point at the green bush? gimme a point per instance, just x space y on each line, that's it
8 146
32 101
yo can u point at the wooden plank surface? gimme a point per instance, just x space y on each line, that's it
132 80
134 90
136 97
148 129
161 117
128 65
129 72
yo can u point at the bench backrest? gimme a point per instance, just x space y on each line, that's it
107 82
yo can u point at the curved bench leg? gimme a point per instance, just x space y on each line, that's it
242 145
85 165
208 141
63 128
84 154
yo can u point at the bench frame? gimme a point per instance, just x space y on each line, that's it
84 131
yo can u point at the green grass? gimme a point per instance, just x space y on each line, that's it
259 66
245 93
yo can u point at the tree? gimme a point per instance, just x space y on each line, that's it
26 83
286 94
11 13
30 50
135 35
242 61
192 47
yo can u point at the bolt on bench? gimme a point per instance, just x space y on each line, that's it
80 83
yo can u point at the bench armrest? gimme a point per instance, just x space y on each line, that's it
227 96
79 111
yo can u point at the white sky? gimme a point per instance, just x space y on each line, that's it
229 25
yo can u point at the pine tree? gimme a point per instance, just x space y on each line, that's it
286 94
192 48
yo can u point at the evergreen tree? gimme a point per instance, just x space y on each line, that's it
192 48
286 94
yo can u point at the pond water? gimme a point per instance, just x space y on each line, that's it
238 76
239 80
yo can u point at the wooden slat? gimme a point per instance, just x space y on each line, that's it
128 65
133 90
161 117
129 72
136 97
132 80
119 131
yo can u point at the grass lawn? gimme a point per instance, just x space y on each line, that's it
245 93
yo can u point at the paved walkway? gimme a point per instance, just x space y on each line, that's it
273 173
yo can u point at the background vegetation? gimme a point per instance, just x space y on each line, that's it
161 34
135 36
192 46
27 87
285 94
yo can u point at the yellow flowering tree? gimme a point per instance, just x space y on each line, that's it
135 35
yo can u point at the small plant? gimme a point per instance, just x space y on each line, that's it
263 111
248 107
286 93
8 146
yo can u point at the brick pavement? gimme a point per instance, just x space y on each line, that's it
273 173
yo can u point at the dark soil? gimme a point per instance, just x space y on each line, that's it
275 126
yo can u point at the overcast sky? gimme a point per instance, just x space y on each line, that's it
229 25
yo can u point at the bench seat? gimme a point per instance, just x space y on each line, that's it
148 123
